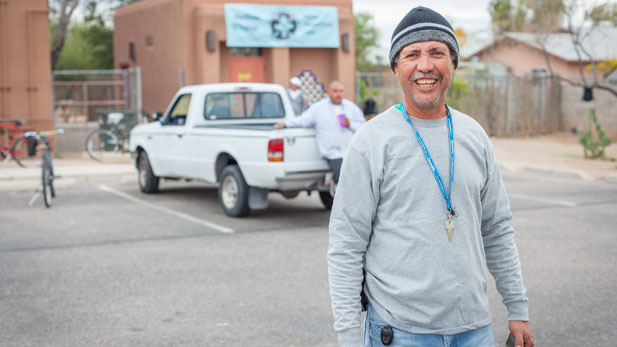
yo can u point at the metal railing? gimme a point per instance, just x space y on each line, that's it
80 95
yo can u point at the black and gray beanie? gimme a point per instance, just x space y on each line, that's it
422 24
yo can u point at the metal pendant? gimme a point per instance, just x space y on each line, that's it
449 227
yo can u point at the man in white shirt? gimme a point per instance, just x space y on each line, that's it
335 120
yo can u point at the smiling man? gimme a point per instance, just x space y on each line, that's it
410 229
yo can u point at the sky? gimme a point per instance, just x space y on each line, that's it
470 15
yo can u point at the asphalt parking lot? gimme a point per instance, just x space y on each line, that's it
109 266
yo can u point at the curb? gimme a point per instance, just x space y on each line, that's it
564 173
610 178
82 172
31 184
25 179
34 184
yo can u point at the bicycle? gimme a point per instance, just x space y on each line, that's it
47 168
103 144
16 147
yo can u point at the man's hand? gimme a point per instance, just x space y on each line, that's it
522 333
279 125
346 122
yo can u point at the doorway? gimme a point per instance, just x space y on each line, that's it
247 65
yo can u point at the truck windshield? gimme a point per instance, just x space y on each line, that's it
235 105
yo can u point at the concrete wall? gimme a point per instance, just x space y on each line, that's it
575 111
170 36
25 65
74 138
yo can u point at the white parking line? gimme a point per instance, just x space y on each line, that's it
550 201
166 210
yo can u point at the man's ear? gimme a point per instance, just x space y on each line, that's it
395 68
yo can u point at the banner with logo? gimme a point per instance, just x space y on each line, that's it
281 26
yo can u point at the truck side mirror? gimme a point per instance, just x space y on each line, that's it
157 116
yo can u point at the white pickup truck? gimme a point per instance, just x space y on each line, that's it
223 133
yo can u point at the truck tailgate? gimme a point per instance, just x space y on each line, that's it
301 153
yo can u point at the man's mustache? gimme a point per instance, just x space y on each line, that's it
419 75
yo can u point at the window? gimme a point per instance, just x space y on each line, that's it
539 71
132 55
177 115
245 52
243 105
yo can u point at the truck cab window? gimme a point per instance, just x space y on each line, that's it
270 106
177 115
243 105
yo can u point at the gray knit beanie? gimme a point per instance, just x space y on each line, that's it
422 24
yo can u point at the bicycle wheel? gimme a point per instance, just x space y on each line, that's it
102 144
48 178
52 176
19 151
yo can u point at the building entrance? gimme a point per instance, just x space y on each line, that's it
247 65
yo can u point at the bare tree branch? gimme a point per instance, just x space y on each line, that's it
597 85
66 11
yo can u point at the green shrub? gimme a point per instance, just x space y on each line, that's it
593 147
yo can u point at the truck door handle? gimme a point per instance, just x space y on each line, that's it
149 137
180 136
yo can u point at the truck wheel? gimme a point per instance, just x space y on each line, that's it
326 199
233 192
148 183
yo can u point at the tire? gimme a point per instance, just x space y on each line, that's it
52 175
20 151
148 183
48 179
326 199
233 192
101 143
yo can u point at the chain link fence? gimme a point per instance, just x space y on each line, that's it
81 95
503 104
82 99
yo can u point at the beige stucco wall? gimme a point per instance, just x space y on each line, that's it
25 63
178 29
162 20
575 111
522 59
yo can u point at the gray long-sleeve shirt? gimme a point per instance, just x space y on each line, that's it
388 218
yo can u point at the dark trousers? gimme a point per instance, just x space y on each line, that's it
335 166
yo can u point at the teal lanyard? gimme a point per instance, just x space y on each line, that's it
427 155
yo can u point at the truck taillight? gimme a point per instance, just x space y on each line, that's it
276 150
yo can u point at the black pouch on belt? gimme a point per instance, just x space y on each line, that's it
386 335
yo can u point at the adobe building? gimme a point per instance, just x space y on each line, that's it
183 42
25 64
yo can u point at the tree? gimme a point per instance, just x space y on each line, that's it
538 16
461 36
594 17
366 40
88 44
505 16
64 10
